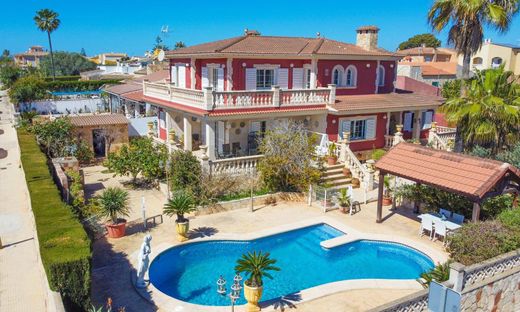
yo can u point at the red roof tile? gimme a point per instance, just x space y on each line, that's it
98 120
384 102
136 96
469 176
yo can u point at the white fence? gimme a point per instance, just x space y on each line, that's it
69 106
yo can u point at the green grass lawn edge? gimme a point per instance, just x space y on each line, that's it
64 245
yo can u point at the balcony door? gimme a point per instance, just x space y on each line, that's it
178 75
213 76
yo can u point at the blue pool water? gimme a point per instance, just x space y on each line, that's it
65 93
189 272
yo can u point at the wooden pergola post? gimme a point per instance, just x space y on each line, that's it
380 190
475 216
416 203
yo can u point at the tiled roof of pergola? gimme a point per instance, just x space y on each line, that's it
472 177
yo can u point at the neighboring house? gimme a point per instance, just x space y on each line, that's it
492 55
430 65
104 133
110 58
30 58
225 94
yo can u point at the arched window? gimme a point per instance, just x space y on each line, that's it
337 75
495 62
380 76
351 76
477 61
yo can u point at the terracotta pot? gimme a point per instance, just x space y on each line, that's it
356 183
347 172
343 209
387 201
252 295
116 230
182 230
331 160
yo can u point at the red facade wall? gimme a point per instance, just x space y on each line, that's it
416 86
390 68
378 142
366 76
202 63
186 61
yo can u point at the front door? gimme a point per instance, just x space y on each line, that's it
98 142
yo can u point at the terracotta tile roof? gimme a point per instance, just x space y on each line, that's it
426 50
98 120
250 111
272 45
136 96
439 68
168 104
384 102
156 76
135 85
466 175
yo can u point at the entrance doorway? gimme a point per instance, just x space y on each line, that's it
98 142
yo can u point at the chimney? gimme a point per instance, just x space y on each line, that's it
367 37
251 33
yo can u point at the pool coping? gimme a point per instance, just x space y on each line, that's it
163 301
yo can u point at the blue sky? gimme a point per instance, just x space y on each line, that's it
131 26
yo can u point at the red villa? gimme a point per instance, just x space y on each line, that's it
223 94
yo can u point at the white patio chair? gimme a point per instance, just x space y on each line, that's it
447 213
440 231
457 218
426 225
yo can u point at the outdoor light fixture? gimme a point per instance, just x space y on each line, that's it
244 64
234 295
221 285
391 65
292 65
368 65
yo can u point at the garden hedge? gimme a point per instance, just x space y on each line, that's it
64 245
63 78
80 85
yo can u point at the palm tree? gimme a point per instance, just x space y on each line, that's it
467 20
489 112
180 204
440 273
256 266
47 20
114 203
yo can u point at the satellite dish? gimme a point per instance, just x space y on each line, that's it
160 55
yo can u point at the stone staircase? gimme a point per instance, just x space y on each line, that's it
334 176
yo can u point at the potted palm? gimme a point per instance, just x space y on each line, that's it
180 204
256 266
387 194
113 203
344 200
331 156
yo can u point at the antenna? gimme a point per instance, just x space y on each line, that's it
165 30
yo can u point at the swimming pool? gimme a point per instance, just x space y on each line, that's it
189 272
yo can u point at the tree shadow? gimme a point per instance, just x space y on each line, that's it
113 276
286 302
138 184
91 188
203 231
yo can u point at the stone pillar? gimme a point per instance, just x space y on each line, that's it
314 73
229 74
187 133
150 129
332 96
369 178
417 125
343 149
432 132
398 135
388 115
475 216
227 129
210 139
208 98
276 95
457 276
204 158
193 72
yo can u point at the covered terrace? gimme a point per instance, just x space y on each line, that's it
472 177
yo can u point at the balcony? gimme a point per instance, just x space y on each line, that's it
209 99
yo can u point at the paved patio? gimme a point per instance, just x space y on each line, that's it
114 259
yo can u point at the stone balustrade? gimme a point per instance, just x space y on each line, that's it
235 166
389 141
441 137
210 99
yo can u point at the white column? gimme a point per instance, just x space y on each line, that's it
314 73
210 139
193 71
227 127
388 115
417 125
377 76
229 74
187 133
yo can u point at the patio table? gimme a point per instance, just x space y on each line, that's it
450 225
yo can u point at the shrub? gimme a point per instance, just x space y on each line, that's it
378 153
64 245
76 191
55 136
510 218
80 85
185 173
114 204
476 242
27 90
63 78
83 153
440 273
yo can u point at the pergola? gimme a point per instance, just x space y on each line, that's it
472 177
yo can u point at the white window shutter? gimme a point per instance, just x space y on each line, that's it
182 76
205 78
255 126
283 78
220 136
408 121
220 82
344 126
370 131
297 78
173 73
250 78
428 117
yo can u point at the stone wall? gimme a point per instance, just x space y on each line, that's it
118 134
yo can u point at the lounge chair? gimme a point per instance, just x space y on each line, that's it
440 231
457 218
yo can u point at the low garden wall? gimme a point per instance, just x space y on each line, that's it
64 245
70 106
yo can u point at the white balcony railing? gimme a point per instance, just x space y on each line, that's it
210 99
